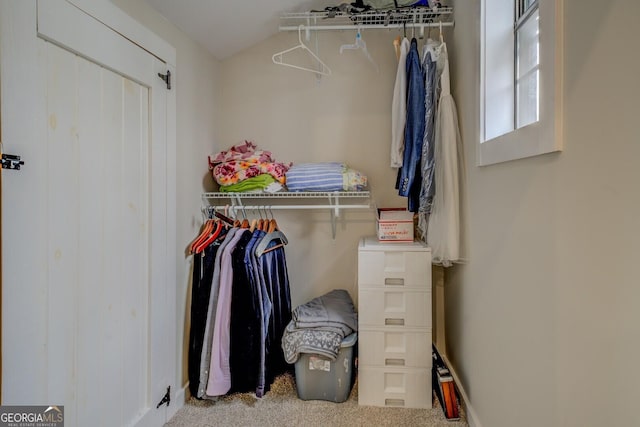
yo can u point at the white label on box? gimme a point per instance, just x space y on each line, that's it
318 364
396 215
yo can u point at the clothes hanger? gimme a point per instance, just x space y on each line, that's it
236 222
396 46
273 233
205 231
277 58
262 221
245 220
261 248
213 236
433 46
273 224
224 217
362 45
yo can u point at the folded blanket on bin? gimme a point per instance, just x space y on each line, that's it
319 326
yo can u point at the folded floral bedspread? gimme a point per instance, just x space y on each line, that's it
244 161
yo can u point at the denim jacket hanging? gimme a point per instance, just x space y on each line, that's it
410 176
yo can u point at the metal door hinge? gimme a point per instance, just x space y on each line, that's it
166 398
166 78
9 161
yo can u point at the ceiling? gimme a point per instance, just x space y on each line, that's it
225 27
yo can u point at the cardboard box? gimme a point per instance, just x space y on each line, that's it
394 225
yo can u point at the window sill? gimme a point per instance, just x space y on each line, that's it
528 141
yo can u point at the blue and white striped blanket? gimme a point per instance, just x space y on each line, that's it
327 176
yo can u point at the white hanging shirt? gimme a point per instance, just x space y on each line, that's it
399 107
443 233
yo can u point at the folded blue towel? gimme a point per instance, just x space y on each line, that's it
316 177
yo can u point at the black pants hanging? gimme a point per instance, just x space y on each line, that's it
200 291
244 356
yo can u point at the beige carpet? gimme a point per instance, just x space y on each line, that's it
281 407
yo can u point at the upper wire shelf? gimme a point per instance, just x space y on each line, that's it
410 17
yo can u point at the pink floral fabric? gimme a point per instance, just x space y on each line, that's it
228 173
246 151
244 161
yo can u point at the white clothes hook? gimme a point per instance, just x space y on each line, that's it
323 69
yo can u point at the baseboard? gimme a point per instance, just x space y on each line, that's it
178 401
472 417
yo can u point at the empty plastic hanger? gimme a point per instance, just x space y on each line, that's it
261 247
277 58
361 45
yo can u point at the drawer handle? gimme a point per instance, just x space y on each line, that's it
394 362
394 322
392 281
394 402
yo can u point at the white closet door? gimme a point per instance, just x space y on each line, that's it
86 264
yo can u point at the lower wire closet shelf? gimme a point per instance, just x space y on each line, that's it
333 201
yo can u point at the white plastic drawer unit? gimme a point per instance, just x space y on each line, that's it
394 308
394 387
395 348
394 265
394 324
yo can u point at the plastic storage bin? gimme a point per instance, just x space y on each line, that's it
320 378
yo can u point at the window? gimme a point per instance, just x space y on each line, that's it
520 79
527 63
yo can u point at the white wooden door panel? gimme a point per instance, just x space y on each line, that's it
116 235
92 249
61 215
62 23
135 286
24 293
111 308
90 216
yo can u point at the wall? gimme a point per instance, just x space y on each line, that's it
197 81
343 117
542 323
599 218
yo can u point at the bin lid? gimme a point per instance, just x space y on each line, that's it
349 340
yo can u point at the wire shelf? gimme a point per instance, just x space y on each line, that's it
333 201
290 195
410 17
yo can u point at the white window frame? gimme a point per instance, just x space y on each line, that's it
497 85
